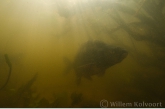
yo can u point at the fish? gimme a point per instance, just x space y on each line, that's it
93 58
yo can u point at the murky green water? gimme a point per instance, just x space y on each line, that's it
38 34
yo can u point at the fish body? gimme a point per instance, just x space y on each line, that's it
94 57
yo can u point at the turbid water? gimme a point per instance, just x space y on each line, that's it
38 34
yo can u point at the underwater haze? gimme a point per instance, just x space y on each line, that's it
47 45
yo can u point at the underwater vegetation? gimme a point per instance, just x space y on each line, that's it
19 98
10 69
104 21
25 97
76 98
148 27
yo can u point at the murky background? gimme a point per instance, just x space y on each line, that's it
37 34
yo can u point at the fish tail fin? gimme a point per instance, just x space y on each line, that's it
68 65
